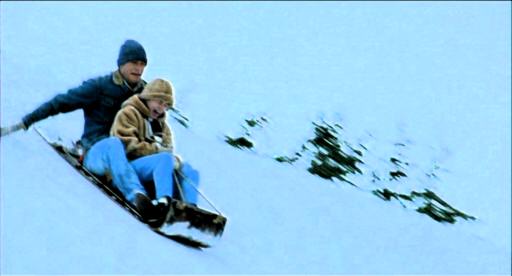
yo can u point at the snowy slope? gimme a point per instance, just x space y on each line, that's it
282 223
434 75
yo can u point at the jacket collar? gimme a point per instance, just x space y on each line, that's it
117 78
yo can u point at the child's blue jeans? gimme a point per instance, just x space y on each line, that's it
108 157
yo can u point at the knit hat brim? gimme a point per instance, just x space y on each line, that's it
158 95
159 89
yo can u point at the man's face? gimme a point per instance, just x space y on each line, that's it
132 71
157 108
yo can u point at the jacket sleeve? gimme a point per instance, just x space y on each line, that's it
126 126
168 140
74 99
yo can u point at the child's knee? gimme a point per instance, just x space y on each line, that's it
166 157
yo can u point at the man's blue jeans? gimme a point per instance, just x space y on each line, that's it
108 157
188 178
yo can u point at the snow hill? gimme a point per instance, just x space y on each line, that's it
434 77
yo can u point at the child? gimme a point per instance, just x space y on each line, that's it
141 126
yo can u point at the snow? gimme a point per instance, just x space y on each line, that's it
434 76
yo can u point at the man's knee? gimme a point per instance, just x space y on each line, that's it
107 143
110 148
114 142
186 167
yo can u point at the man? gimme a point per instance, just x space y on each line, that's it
100 98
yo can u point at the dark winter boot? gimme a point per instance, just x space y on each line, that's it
164 210
179 209
146 209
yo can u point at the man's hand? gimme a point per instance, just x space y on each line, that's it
10 129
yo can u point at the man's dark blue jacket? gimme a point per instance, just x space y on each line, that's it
100 99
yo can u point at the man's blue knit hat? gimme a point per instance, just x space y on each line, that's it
131 50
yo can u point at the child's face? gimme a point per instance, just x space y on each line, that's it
157 108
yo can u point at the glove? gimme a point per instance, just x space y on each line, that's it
10 129
177 162
160 145
161 148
